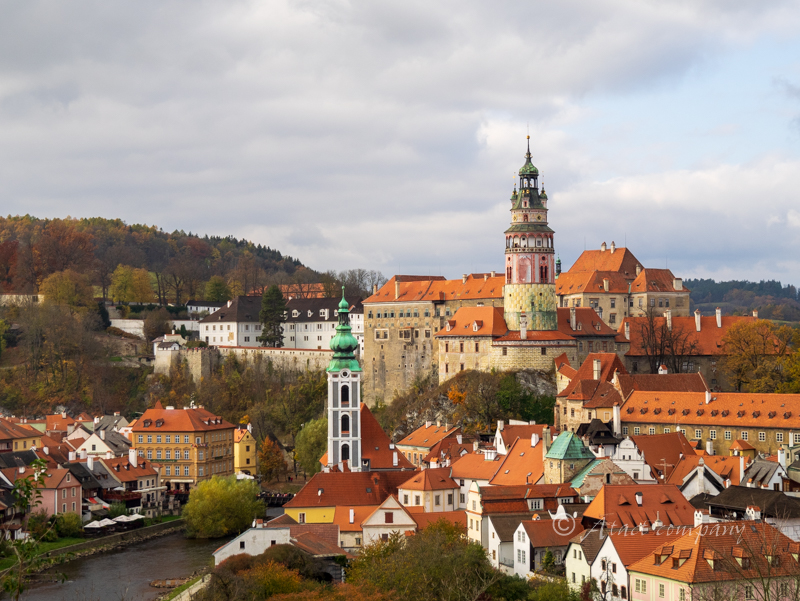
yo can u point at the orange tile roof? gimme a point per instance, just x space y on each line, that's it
511 432
179 420
708 340
735 409
693 382
617 505
239 434
58 450
474 466
661 448
533 336
341 516
475 321
697 548
124 471
725 466
436 288
631 546
741 445
429 435
58 422
423 520
563 366
609 363
587 282
11 431
53 478
336 489
447 448
430 479
543 533
522 465
587 323
621 260
656 280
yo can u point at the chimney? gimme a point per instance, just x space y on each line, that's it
677 283
500 424
250 428
668 316
719 317
613 247
643 528
459 438
534 439
782 457
438 423
658 523
46 450
662 370
546 438
102 434
464 279
489 454
494 273
428 424
352 515
639 499
374 289
701 517
573 319
22 469
96 420
603 247
697 319
83 453
627 330
133 458
709 447
755 313
617 421
741 469
523 326
396 289
230 302
605 284
63 415
394 458
90 463
638 269
116 414
72 455
753 512
597 369
475 444
109 455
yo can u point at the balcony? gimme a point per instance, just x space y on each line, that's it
125 496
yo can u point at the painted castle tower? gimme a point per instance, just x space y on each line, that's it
344 394
530 258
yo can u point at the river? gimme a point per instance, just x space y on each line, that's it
125 575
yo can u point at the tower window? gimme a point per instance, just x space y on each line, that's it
345 424
345 395
345 452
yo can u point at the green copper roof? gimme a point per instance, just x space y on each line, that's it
344 343
529 227
577 479
528 168
543 194
568 446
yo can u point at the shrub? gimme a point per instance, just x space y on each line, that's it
69 525
117 509
39 526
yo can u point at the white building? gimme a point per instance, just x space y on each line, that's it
630 459
235 324
254 541
311 323
389 518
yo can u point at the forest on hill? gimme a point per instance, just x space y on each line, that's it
770 298
179 264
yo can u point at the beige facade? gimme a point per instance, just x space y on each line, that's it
245 452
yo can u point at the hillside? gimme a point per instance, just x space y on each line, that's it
770 298
179 264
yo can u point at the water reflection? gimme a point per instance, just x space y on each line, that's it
125 575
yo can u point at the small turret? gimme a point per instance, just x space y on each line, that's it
558 266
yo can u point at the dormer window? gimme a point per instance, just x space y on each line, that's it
295 313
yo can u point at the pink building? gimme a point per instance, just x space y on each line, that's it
61 492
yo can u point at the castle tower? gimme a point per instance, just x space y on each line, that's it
530 258
344 395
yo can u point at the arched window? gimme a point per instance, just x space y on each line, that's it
345 395
345 424
525 217
345 452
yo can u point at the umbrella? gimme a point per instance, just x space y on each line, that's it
107 522
136 516
123 518
94 525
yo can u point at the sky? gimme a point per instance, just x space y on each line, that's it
385 135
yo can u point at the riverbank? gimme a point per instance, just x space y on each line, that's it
106 543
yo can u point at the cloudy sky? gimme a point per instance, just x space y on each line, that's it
385 134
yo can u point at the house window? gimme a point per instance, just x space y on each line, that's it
185 470
301 518
149 438
636 431
450 499
405 499
141 438
388 517
698 433
712 434
661 590
762 436
436 500
544 350
744 435
167 470
727 434
149 454
186 439
625 430
417 500
779 437
651 431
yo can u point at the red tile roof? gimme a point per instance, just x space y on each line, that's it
631 546
587 323
239 434
693 382
661 448
586 282
736 409
656 280
595 394
54 477
618 506
697 550
430 479
708 340
58 422
423 520
474 466
316 546
429 435
511 432
475 321
124 471
336 489
427 288
621 261
179 420
741 445
533 336
341 516
545 534
523 464
11 431
725 466
609 363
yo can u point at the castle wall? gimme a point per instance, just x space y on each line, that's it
538 301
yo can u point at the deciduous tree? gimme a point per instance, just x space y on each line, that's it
222 506
311 444
67 288
754 355
217 290
156 323
271 463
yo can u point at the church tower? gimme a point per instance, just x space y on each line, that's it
530 265
344 395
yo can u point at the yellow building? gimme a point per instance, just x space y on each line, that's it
245 451
18 437
190 444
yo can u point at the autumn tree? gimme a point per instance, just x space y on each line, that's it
62 246
67 288
157 323
217 290
131 285
221 506
754 355
664 342
272 316
311 444
271 463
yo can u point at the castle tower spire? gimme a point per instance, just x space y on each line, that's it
344 396
530 260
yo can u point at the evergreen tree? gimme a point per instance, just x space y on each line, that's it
272 316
